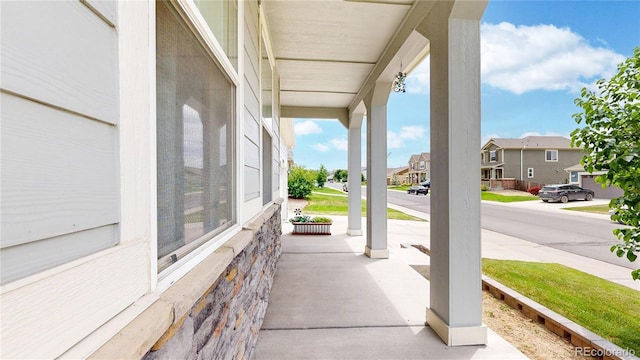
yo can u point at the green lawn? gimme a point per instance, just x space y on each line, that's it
323 204
598 209
328 190
605 308
486 195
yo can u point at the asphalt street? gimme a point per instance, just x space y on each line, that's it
583 235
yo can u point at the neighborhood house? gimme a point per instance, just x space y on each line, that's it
532 160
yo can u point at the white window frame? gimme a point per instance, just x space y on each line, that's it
530 173
493 156
164 279
422 165
551 151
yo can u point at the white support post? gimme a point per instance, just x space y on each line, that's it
376 104
355 187
455 312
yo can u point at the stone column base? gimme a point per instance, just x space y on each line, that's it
354 232
457 336
376 254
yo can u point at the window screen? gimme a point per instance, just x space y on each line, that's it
195 112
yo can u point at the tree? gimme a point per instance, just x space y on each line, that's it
300 182
340 175
321 176
611 139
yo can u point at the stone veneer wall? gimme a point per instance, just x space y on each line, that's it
224 322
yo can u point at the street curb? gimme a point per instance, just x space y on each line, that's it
590 343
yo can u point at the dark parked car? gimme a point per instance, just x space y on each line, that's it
426 183
564 193
418 189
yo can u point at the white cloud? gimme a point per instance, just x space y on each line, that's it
340 144
542 57
320 147
306 127
412 132
418 80
396 141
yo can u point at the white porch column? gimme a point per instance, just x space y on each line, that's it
455 312
355 187
376 103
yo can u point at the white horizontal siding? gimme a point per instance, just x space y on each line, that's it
60 53
22 260
251 144
42 319
59 172
106 8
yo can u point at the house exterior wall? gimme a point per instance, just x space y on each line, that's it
549 172
225 320
79 148
252 117
511 159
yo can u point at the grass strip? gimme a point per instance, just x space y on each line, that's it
596 209
338 205
506 198
605 308
327 190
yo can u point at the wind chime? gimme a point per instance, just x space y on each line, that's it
398 83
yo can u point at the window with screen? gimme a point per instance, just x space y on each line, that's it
195 140
551 155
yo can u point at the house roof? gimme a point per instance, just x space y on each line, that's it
416 157
393 171
330 54
531 142
576 167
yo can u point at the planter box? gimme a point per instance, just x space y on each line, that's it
306 228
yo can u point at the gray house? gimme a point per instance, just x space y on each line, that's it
519 163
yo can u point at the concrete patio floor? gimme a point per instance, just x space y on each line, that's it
330 301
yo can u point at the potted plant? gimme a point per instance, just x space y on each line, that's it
307 225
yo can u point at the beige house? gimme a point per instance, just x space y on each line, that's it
145 148
398 176
517 163
419 168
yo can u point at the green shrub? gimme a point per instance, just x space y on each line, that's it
321 219
300 182
484 187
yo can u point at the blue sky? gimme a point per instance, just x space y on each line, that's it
536 57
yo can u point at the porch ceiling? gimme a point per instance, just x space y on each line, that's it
329 53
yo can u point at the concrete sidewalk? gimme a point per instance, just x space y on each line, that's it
329 301
500 246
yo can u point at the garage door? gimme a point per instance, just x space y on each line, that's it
589 182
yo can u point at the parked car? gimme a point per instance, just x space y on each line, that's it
345 188
426 183
418 189
564 193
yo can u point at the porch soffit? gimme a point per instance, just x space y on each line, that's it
330 52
